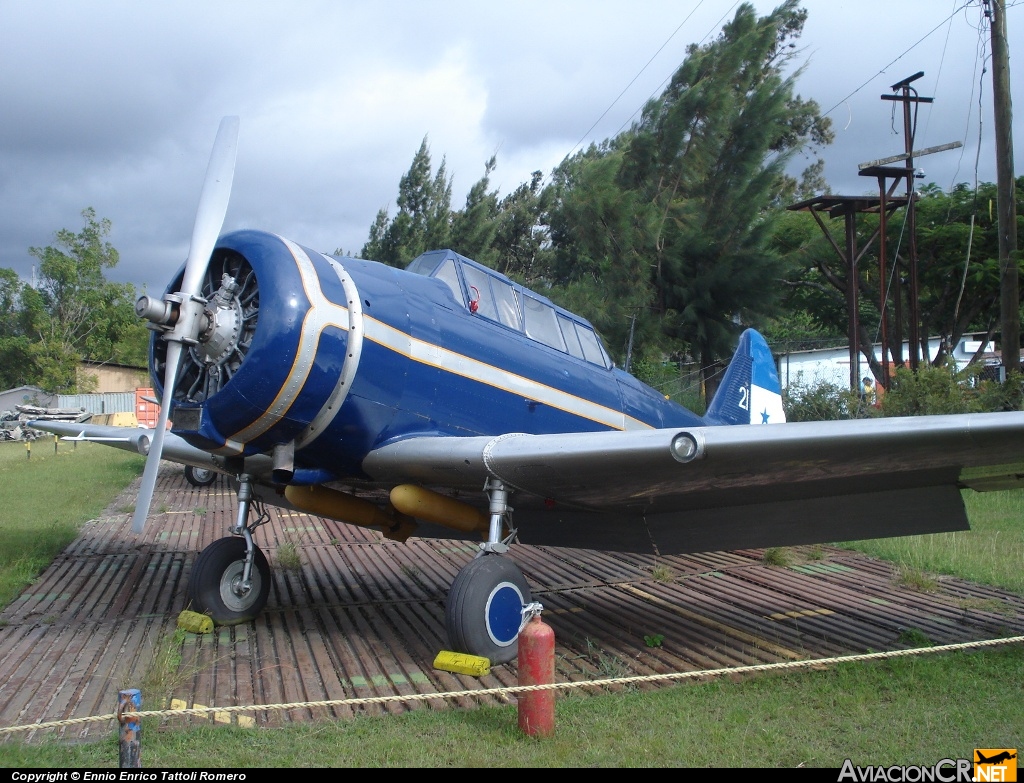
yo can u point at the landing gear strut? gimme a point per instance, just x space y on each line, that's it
484 610
230 580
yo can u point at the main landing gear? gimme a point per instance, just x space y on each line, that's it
484 610
230 580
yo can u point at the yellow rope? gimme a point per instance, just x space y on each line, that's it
505 691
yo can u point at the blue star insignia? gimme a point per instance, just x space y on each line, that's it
764 416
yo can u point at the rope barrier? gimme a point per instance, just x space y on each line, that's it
514 689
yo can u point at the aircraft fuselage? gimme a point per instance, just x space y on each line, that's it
338 356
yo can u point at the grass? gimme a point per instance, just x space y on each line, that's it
901 711
915 579
662 573
991 552
167 670
777 556
34 529
288 557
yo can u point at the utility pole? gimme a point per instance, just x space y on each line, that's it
908 95
1009 300
629 347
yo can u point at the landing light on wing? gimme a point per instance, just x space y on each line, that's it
685 447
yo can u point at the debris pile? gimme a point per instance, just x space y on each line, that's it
14 424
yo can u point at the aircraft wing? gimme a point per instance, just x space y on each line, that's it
694 489
742 486
135 439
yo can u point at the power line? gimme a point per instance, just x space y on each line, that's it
640 73
666 80
896 60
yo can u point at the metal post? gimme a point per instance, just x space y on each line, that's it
913 294
852 282
130 735
881 280
907 95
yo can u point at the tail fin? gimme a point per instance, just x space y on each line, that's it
750 392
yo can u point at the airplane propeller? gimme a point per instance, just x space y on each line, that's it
180 314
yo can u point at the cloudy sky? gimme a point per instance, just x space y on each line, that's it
115 105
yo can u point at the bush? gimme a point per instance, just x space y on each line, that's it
823 401
947 389
930 391
1002 396
671 379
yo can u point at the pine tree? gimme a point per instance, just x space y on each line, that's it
423 221
709 158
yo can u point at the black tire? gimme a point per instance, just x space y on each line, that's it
216 571
483 612
200 477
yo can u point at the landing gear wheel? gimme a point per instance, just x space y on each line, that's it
214 588
199 477
485 608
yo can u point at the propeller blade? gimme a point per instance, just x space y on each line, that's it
213 205
156 446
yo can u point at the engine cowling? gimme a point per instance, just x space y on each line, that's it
275 336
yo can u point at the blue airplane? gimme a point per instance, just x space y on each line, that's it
429 401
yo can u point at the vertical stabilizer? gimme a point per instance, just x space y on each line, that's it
750 392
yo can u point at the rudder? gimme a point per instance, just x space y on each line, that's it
750 392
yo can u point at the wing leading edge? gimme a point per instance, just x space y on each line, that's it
138 439
805 482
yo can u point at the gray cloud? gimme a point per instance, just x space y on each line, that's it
116 105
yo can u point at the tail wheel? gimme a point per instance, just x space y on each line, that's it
484 610
215 586
200 477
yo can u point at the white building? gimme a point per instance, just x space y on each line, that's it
832 365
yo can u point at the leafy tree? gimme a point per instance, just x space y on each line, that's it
710 156
521 241
813 308
660 233
17 365
958 263
674 216
74 313
423 221
958 271
598 266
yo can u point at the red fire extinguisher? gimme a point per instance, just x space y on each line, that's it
536 667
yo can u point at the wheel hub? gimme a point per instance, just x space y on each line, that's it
503 614
236 595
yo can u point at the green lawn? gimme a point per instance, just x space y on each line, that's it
991 552
46 495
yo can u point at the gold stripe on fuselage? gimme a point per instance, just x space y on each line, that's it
433 355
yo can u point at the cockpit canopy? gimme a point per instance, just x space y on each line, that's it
491 295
